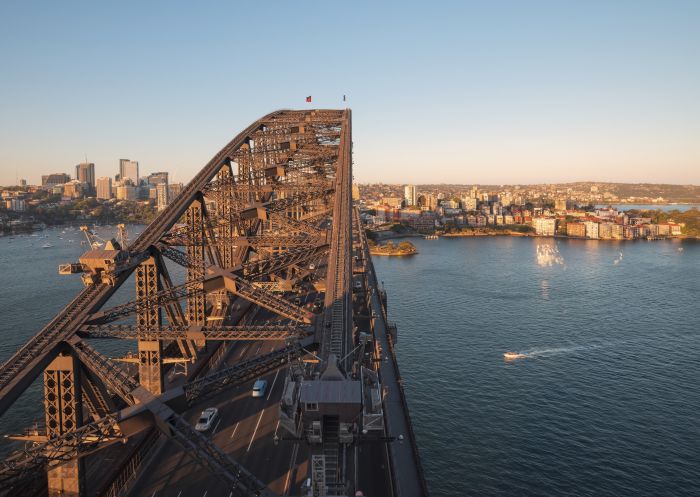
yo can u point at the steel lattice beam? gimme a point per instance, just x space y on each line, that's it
244 332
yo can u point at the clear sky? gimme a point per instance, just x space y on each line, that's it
465 92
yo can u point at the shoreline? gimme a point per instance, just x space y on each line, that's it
389 254
564 237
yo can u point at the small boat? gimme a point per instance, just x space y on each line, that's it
46 245
513 355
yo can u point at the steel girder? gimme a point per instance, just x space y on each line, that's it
244 332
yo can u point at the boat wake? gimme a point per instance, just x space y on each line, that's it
532 353
548 255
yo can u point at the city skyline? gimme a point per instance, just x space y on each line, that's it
452 93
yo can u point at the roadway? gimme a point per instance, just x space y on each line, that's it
245 430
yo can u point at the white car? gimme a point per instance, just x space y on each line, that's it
259 388
206 419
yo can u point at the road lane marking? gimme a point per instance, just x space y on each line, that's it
291 468
256 430
273 385
217 425
179 493
276 427
234 430
205 493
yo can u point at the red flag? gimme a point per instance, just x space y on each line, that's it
308 99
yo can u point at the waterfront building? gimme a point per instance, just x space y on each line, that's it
51 180
423 224
544 225
129 170
618 232
410 195
162 198
104 188
508 219
605 231
576 229
591 229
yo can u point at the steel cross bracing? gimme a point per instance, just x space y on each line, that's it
116 427
244 332
270 189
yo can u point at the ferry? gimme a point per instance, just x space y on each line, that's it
513 355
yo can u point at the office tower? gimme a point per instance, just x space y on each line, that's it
85 173
104 188
129 170
162 197
157 178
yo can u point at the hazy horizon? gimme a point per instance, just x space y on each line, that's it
456 92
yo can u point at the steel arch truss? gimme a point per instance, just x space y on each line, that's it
246 228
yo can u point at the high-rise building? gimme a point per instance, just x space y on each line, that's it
73 189
126 192
85 173
129 170
51 180
104 188
23 182
174 190
157 178
162 197
409 194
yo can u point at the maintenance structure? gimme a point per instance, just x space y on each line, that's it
276 283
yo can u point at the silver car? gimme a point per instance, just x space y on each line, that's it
206 419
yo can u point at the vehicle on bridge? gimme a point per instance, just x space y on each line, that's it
207 418
259 388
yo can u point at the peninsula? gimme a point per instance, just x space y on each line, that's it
389 248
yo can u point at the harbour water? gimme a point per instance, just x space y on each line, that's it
604 401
